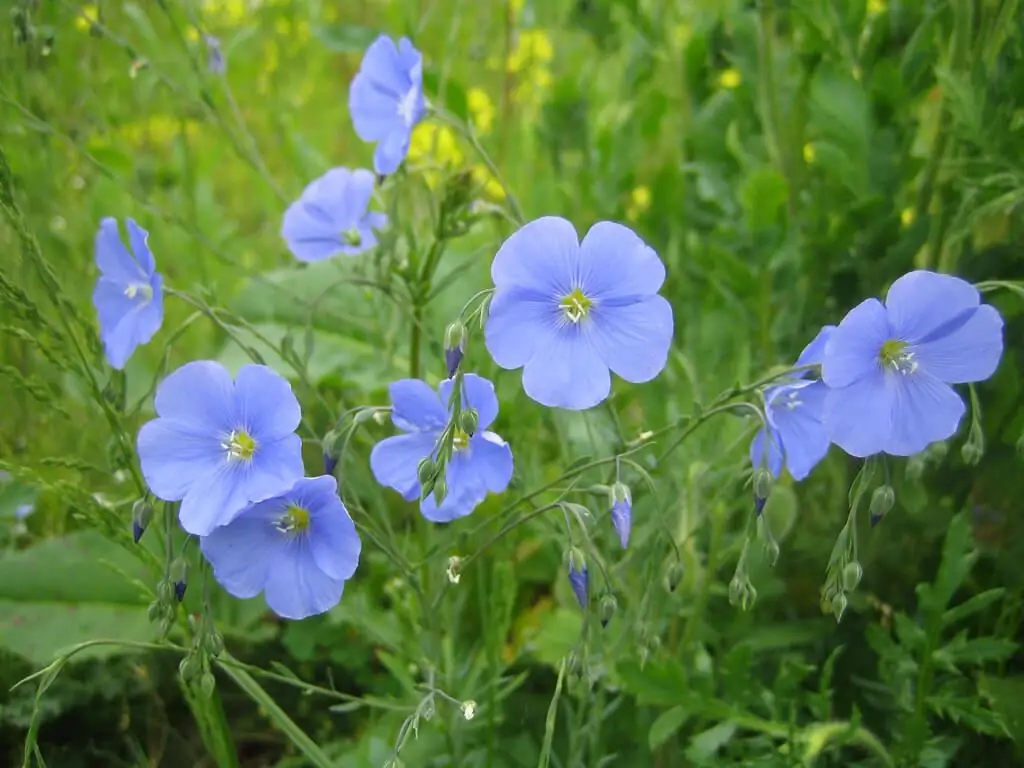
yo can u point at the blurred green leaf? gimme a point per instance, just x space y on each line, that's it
705 745
763 195
1007 696
344 38
668 722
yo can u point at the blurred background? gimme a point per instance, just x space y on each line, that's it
786 160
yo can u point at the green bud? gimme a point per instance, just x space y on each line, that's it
190 668
771 551
469 420
166 623
142 515
156 610
213 643
440 491
381 416
937 451
352 237
852 574
673 576
576 560
364 415
620 493
179 569
915 467
426 470
737 587
971 453
882 501
749 597
207 684
839 603
165 591
763 482
607 607
454 346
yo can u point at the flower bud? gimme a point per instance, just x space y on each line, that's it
579 579
852 574
207 684
749 597
164 591
142 515
381 416
622 512
155 611
426 470
179 571
971 453
673 576
915 467
440 491
771 551
189 668
454 571
839 603
607 608
166 623
454 346
469 420
882 501
213 643
736 589
330 449
762 484
468 709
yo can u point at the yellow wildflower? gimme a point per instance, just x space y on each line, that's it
434 146
809 154
192 34
876 7
907 217
86 18
481 109
489 185
639 202
227 12
533 48
730 79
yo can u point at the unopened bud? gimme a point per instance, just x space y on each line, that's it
762 483
607 608
971 453
155 611
142 514
882 501
839 603
426 470
454 569
673 576
579 580
440 491
454 346
330 451
207 684
179 572
852 574
771 551
469 709
164 591
213 642
469 420
381 416
622 512
736 590
165 625
189 668
915 467
749 598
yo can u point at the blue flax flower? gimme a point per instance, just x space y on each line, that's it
889 366
568 312
331 217
480 464
622 512
219 445
297 548
579 580
129 295
795 409
386 99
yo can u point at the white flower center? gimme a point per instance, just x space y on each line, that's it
239 446
792 401
139 289
407 105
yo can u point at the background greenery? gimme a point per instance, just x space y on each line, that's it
785 159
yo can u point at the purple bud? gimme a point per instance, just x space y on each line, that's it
215 56
454 346
622 512
759 505
330 463
179 590
579 580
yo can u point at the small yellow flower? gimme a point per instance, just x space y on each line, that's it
876 7
730 79
227 12
490 186
515 6
192 34
533 48
809 154
481 109
907 217
639 202
86 18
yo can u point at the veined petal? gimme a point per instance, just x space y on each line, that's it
615 263
541 256
804 439
113 258
814 352
394 461
275 467
120 341
477 392
853 350
517 321
858 417
242 551
416 406
566 371
465 491
491 459
296 587
969 353
265 403
633 340
199 395
357 196
391 150
382 64
139 239
333 541
374 112
759 444
924 411
214 499
173 455
921 302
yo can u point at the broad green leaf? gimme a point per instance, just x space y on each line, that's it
661 682
668 722
705 745
1007 697
69 590
558 634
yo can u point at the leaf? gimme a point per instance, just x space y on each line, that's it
1007 698
763 194
981 650
68 590
557 635
661 682
705 745
974 605
344 38
668 722
957 561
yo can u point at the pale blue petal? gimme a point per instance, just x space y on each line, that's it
242 552
970 353
174 455
296 587
517 321
333 541
757 448
566 371
276 465
477 392
357 196
214 499
151 315
384 65
924 411
265 403
853 350
921 302
199 395
858 417
113 258
541 256
112 304
465 491
391 151
804 439
374 114
614 263
622 519
416 406
394 461
491 459
139 239
814 352
634 339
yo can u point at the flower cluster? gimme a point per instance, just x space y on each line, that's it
568 312
885 376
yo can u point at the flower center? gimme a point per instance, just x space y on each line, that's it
575 306
294 520
792 401
135 289
894 355
352 237
407 105
240 446
460 441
